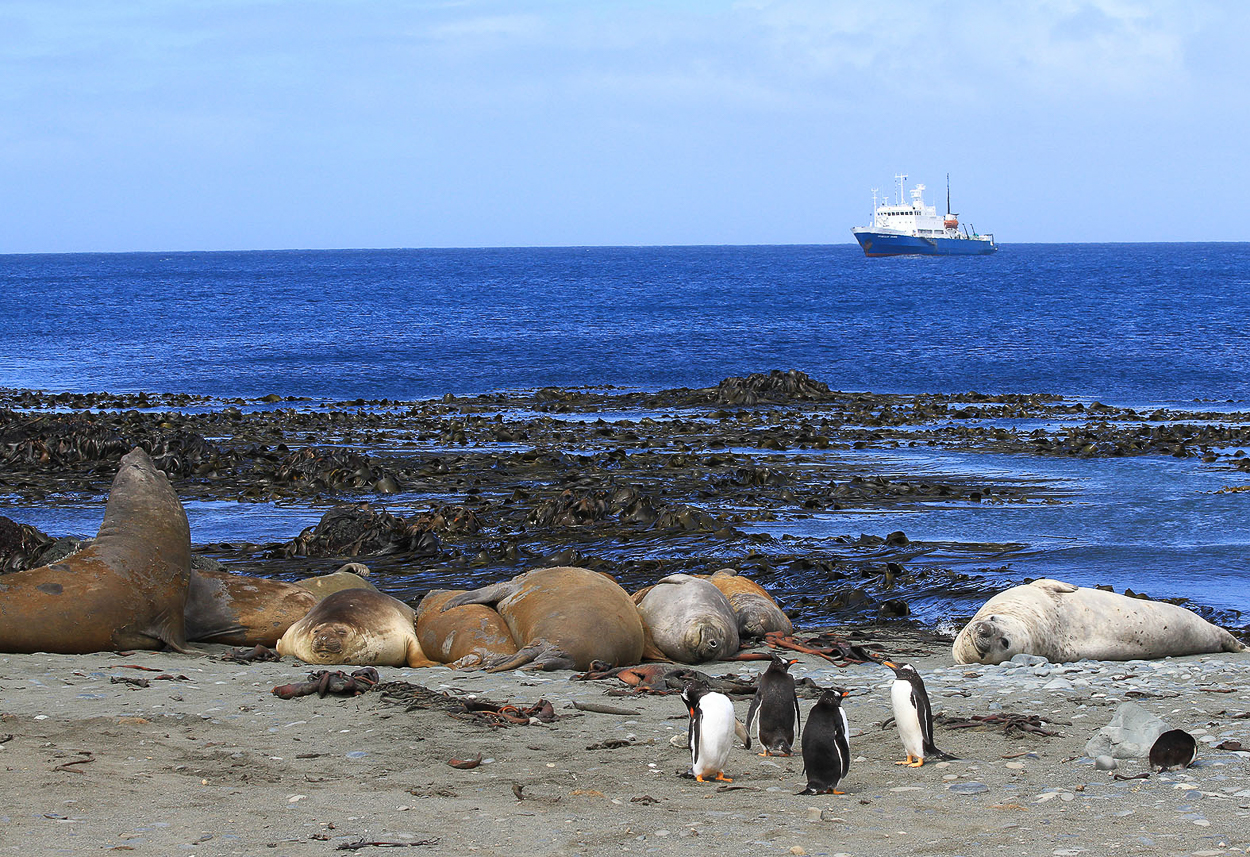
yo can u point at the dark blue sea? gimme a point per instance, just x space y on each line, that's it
1138 325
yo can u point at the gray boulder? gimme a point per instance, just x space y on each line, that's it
1129 735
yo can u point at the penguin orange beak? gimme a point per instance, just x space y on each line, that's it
845 694
892 666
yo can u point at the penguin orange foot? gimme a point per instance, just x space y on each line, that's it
912 761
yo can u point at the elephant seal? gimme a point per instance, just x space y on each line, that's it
464 636
756 610
689 619
125 590
1062 622
564 618
356 626
350 576
238 610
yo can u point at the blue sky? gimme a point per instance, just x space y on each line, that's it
246 124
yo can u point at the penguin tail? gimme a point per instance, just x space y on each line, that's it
934 753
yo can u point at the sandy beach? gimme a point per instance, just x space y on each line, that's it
206 760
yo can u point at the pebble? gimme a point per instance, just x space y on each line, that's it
1106 763
969 788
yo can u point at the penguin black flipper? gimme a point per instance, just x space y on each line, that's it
920 699
754 707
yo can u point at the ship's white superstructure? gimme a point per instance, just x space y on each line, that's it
905 228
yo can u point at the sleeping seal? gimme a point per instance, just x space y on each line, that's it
563 618
356 626
1062 622
756 610
238 610
349 576
464 636
689 619
125 590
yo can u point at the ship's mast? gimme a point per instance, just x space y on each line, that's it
900 179
874 208
948 193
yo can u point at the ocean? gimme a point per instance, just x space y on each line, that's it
1133 325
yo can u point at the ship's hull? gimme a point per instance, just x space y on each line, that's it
893 244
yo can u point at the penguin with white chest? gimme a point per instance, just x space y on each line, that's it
826 744
712 729
913 715
777 704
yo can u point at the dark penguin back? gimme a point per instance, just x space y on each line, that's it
1175 748
777 704
826 746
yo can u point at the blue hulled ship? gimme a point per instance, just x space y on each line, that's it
915 229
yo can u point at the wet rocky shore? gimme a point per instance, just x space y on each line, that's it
461 491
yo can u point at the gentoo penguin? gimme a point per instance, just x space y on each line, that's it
712 729
777 704
1175 748
913 715
826 744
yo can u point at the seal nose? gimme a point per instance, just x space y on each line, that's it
328 641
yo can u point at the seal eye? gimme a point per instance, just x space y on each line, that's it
1006 643
713 644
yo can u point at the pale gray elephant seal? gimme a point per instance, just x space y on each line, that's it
689 619
1062 622
563 618
125 590
356 626
757 612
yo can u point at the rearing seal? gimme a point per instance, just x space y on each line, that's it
125 590
1062 622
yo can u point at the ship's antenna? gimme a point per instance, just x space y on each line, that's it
900 179
948 193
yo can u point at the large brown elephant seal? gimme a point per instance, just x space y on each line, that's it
1062 622
756 610
689 619
125 590
238 610
564 618
464 636
356 626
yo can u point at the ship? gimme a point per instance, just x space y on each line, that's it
915 229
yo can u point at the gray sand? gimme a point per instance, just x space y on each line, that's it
216 764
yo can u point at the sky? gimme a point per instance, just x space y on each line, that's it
133 125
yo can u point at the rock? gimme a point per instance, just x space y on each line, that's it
1130 734
970 788
1105 763
1029 660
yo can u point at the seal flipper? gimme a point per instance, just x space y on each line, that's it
492 595
1056 587
742 734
